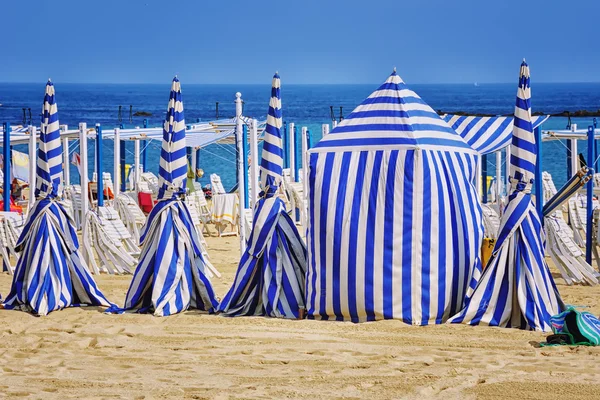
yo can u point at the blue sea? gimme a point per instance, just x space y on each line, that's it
305 105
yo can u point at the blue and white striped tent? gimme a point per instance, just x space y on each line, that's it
487 134
50 274
516 289
395 227
171 274
270 279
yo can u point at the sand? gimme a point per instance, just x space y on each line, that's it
84 353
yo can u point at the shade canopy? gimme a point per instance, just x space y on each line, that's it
487 134
395 226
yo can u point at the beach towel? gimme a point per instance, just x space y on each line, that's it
225 208
574 327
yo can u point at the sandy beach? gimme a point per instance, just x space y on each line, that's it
84 353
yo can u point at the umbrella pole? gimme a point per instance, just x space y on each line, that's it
574 158
539 193
136 164
6 151
304 178
498 178
32 165
66 171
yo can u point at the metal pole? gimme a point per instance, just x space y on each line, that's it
570 159
507 169
136 164
574 158
305 147
324 130
590 193
116 161
245 162
539 193
240 170
99 158
197 164
32 164
292 151
66 170
499 181
254 172
286 154
295 167
144 147
84 182
6 151
484 177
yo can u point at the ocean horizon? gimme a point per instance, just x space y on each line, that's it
304 104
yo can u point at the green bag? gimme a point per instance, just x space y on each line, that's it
574 327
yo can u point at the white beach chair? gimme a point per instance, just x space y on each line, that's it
217 185
151 181
113 243
491 221
130 213
204 246
73 193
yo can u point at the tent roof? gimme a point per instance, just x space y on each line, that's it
487 134
392 117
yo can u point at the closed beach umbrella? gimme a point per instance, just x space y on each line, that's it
516 289
270 277
170 276
50 274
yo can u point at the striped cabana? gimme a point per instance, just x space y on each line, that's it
171 274
487 134
395 226
50 273
270 279
517 289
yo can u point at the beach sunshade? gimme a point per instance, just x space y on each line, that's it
171 274
573 185
50 273
395 226
516 288
271 274
487 134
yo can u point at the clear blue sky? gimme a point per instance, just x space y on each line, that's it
309 41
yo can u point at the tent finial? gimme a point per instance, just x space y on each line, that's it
394 69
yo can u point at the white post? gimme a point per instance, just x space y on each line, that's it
32 164
116 163
324 130
84 183
254 165
292 152
304 178
194 166
499 181
574 157
136 164
240 171
334 124
507 166
66 171
479 177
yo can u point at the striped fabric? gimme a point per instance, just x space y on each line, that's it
516 289
270 279
395 226
271 164
49 162
50 273
487 134
172 170
573 185
171 274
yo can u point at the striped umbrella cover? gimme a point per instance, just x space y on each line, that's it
50 273
487 134
572 186
170 276
516 289
395 226
270 279
271 163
